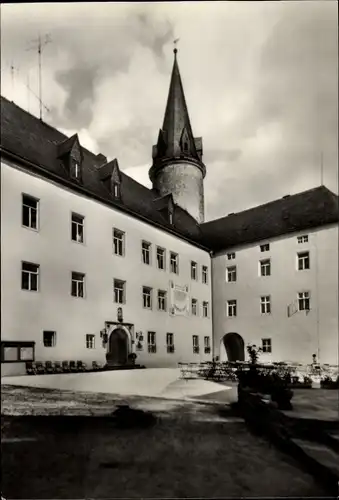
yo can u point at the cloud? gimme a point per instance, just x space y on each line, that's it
260 80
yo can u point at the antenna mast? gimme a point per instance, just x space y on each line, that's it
39 44
321 169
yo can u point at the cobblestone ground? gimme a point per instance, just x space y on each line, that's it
195 450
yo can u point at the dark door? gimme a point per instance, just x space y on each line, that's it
235 347
117 348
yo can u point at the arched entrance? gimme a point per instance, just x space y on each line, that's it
234 347
118 348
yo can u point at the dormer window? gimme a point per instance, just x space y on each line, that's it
171 218
185 146
76 169
116 190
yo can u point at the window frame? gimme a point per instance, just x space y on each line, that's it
302 239
204 275
195 344
264 304
115 282
77 281
308 299
266 345
194 270
54 338
148 251
194 302
231 256
78 224
205 309
164 298
262 264
88 338
151 342
265 247
163 258
37 210
150 289
231 304
175 261
302 258
229 270
30 273
116 233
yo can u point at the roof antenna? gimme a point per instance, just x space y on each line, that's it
39 45
321 169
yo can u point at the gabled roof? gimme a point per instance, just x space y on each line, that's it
31 139
299 212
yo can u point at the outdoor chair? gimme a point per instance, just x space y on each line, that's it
57 367
65 367
40 369
49 368
81 366
72 366
30 368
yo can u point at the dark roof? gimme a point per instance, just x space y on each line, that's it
29 138
299 212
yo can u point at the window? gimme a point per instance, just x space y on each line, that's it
265 267
118 242
194 270
195 340
162 302
304 301
151 341
194 307
266 345
15 351
30 207
205 309
49 338
78 228
170 342
207 345
303 261
231 308
116 190
231 256
174 262
161 258
265 304
265 247
119 288
170 218
30 276
78 285
303 239
90 341
147 297
231 274
146 252
205 274
76 167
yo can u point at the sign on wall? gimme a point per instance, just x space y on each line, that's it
179 299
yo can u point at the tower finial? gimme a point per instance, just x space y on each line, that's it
175 46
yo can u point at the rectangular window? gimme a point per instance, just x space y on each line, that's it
78 285
231 274
151 342
30 208
78 228
174 263
147 297
205 274
266 345
231 256
265 247
118 242
162 300
205 309
49 338
194 307
303 239
15 351
194 270
265 304
207 345
119 288
303 261
146 252
304 301
195 340
90 341
30 276
161 258
231 308
265 267
170 342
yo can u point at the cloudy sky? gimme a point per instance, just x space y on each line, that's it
260 80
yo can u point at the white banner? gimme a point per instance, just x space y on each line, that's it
179 300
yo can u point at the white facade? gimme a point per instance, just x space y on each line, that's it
26 314
301 334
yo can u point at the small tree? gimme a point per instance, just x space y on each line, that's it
253 352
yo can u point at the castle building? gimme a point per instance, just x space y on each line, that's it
97 267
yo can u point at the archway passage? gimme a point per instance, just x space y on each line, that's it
117 353
234 346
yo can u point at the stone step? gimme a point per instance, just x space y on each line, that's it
322 454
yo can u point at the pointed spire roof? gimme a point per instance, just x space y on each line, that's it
176 137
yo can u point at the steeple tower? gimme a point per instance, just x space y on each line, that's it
177 158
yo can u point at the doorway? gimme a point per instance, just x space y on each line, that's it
234 346
117 353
